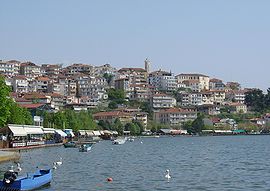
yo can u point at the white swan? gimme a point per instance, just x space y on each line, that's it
54 166
168 176
59 162
19 169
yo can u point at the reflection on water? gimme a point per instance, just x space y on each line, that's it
195 163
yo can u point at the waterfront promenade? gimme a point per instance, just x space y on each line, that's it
9 154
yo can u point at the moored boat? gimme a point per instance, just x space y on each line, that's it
70 144
85 147
119 141
11 181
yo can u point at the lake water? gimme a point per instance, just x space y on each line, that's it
196 163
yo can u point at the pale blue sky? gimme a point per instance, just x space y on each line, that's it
227 39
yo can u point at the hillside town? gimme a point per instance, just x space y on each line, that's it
160 97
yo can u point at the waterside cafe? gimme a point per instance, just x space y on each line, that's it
14 136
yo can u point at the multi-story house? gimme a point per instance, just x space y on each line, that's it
197 98
51 70
41 84
78 68
193 85
161 101
203 80
10 68
175 116
57 101
135 75
30 70
133 82
238 107
216 84
20 84
111 116
191 99
139 92
162 80
122 84
219 96
104 69
236 96
209 109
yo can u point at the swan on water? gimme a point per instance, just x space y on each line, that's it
54 166
168 176
59 162
19 169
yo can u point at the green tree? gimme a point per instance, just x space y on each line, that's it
116 94
5 102
256 100
197 124
118 126
133 128
19 115
108 77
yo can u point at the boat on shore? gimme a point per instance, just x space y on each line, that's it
70 144
31 181
85 147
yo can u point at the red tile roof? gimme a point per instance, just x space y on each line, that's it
43 78
31 106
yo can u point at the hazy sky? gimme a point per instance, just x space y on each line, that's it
226 39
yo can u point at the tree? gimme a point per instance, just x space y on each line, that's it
108 77
118 126
133 128
116 94
5 102
256 100
197 125
19 115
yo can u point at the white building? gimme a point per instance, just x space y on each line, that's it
20 84
203 80
160 101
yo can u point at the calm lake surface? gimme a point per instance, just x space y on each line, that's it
196 163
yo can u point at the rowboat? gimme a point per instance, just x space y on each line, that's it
11 181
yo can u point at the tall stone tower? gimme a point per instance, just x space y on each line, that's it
147 65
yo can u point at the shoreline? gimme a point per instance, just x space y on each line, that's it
13 154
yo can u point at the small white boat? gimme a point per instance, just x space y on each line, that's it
85 148
119 141
131 139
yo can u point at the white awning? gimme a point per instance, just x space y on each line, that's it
33 130
107 132
96 133
89 132
17 131
48 130
60 132
82 132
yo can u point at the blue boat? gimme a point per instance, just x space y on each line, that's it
29 182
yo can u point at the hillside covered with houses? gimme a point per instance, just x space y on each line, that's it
83 96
